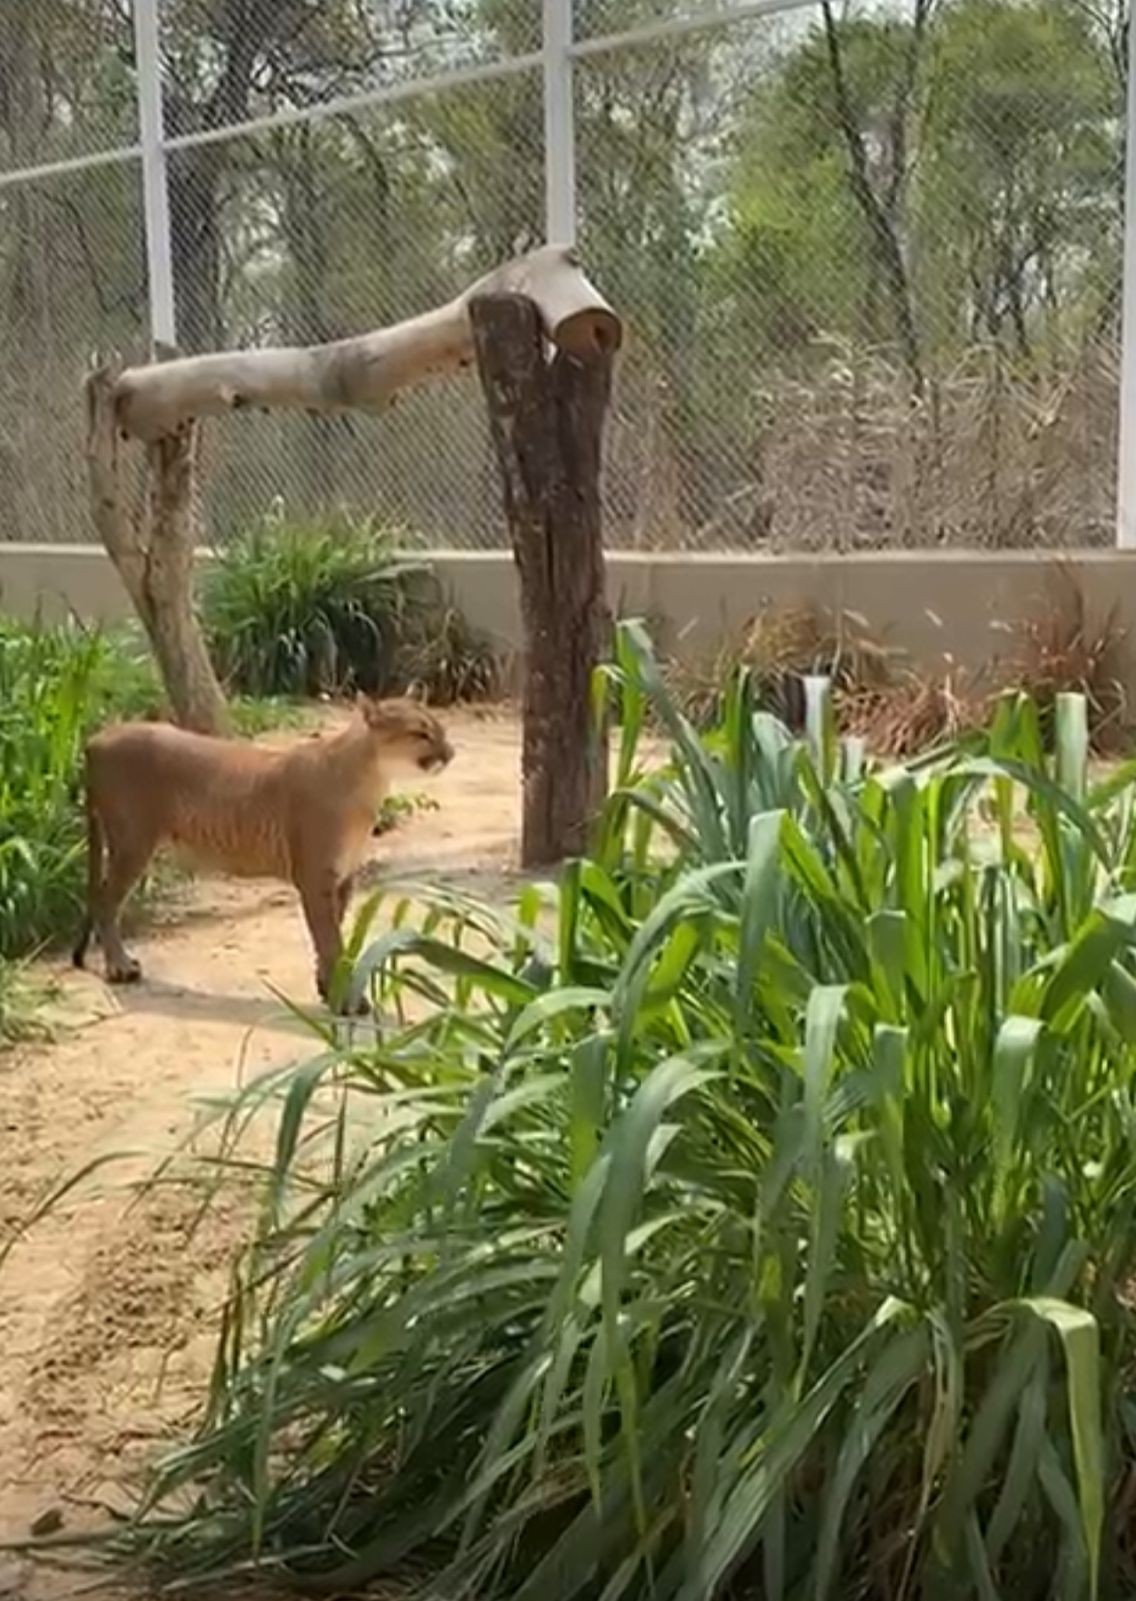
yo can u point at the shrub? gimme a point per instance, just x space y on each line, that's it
447 658
753 1214
56 685
1061 648
900 709
320 607
778 648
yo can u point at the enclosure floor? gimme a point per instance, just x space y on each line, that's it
107 1307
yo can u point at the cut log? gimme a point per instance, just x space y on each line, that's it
366 372
547 420
150 535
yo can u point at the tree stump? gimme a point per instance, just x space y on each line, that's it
151 538
547 420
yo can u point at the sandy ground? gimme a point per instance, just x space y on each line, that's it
107 1305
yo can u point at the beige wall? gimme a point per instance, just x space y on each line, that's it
932 605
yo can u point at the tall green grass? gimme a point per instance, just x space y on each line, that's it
56 685
752 1215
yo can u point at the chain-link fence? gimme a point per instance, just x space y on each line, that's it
869 257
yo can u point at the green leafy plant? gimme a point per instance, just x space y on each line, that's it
752 1214
310 607
397 809
331 604
56 685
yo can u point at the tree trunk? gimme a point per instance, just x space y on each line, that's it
547 421
881 219
152 545
194 181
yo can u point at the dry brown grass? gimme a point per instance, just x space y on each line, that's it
900 709
779 646
1063 648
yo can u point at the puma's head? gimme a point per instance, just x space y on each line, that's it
409 733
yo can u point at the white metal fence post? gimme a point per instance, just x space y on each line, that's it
559 125
155 201
1126 446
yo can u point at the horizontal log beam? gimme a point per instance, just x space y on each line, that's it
364 373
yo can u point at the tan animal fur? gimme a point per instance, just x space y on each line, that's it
304 814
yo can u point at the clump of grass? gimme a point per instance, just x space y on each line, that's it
22 1000
1061 649
332 604
397 809
310 607
56 685
751 1213
442 654
900 709
779 647
915 711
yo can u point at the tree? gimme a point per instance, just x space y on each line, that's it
1018 152
548 421
996 180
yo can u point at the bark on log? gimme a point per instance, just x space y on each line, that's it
366 372
150 535
547 420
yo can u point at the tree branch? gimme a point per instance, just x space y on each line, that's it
880 227
367 371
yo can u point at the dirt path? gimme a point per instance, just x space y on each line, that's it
106 1307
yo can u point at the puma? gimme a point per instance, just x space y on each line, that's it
304 814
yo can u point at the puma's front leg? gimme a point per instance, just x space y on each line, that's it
323 898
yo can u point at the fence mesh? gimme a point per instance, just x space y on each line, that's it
329 228
72 276
67 83
873 267
869 257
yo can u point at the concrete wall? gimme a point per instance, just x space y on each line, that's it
932 605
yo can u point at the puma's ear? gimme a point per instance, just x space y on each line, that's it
416 692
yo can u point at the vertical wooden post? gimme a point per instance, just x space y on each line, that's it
152 541
547 419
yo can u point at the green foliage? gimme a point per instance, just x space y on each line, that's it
56 685
306 608
336 603
761 396
753 1214
1011 118
398 808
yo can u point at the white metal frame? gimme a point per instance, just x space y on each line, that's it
559 124
555 61
1126 441
155 199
